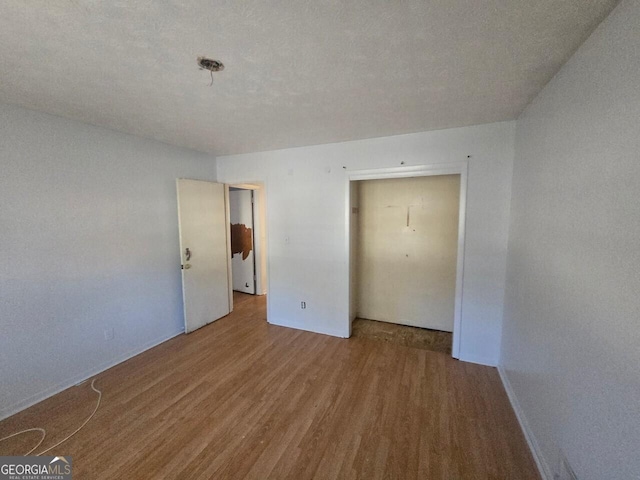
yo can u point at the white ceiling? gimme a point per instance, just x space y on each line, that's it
297 72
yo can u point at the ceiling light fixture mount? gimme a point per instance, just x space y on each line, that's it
209 64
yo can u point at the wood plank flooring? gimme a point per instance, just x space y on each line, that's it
244 399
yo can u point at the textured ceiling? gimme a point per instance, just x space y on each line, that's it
297 72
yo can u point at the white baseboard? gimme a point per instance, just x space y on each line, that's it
75 380
478 360
543 466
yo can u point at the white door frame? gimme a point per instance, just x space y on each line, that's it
457 168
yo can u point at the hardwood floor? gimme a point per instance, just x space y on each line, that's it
244 399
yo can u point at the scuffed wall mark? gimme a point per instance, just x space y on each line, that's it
420 204
241 240
409 214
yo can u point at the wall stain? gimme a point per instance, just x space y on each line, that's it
241 240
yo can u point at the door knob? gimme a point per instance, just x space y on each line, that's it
187 266
187 254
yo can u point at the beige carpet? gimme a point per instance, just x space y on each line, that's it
422 338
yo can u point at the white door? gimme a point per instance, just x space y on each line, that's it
204 246
242 240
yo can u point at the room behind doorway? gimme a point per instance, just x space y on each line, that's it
243 258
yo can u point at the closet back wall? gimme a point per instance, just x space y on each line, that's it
407 249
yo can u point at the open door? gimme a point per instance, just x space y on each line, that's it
204 244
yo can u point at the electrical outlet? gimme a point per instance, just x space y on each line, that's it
108 333
303 305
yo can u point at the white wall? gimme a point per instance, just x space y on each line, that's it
307 200
571 343
88 242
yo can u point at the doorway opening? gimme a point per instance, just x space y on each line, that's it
247 239
406 248
243 258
